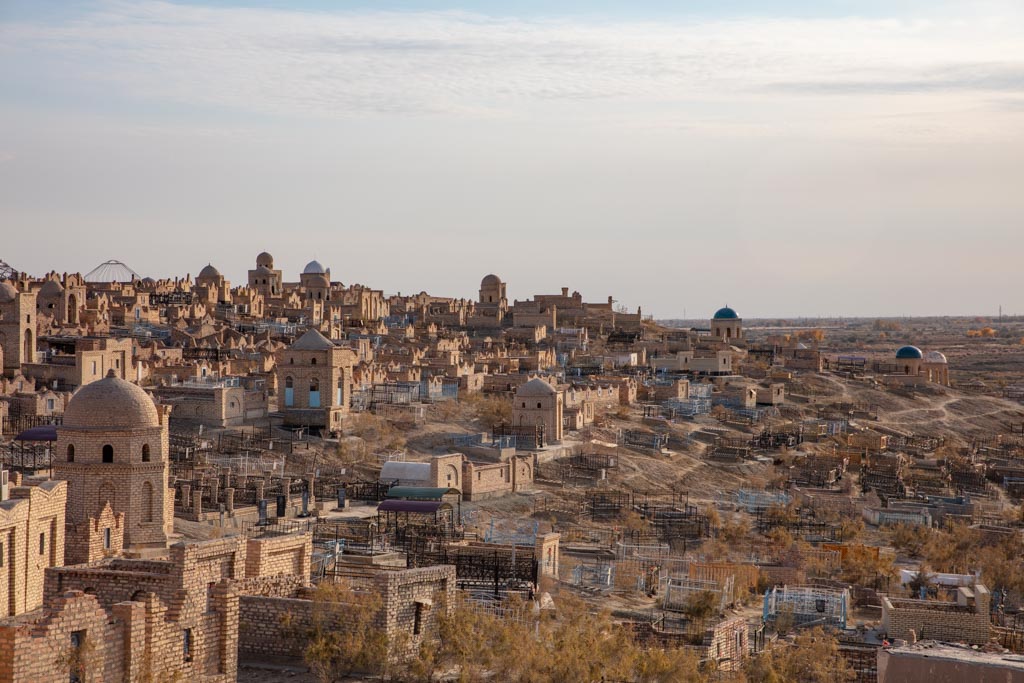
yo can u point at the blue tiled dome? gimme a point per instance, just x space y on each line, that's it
909 352
726 314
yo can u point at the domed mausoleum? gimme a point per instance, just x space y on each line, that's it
726 324
913 366
538 404
112 449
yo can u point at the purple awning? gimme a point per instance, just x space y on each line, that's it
424 506
40 433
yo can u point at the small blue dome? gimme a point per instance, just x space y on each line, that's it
725 314
909 352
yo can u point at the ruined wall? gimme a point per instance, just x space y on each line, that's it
279 626
40 649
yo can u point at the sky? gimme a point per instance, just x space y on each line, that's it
788 158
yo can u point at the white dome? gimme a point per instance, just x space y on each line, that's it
935 357
314 268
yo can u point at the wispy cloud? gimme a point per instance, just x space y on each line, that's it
1003 77
454 63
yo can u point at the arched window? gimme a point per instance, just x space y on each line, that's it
145 452
289 392
312 361
538 404
30 349
341 391
71 453
108 453
314 393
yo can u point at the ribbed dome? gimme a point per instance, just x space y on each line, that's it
7 292
111 271
535 387
909 352
111 403
490 280
726 314
265 260
209 272
314 268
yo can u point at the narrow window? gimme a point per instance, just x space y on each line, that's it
538 404
417 623
187 645
71 453
108 453
42 543
145 452
106 538
76 663
1 554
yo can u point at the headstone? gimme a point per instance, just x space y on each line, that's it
261 505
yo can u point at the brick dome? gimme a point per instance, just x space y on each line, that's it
209 272
535 387
7 292
111 403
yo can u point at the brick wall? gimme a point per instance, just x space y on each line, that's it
490 480
966 620
281 555
277 625
31 539
38 649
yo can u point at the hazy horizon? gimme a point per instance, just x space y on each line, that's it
837 158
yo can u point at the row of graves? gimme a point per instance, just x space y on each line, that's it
690 596
419 527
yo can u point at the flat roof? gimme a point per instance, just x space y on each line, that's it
421 506
420 492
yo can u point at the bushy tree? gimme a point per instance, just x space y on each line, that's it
344 634
813 657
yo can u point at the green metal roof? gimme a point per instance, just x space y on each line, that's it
419 492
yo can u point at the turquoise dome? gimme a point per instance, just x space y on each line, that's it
726 314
